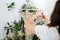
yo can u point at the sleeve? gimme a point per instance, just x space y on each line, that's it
41 32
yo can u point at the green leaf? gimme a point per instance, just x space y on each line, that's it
5 28
23 10
35 37
11 30
15 22
8 23
8 6
32 11
22 21
7 32
12 4
24 6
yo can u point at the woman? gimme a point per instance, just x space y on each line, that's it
50 31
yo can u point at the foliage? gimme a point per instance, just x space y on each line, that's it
24 6
35 37
7 28
11 6
29 5
14 28
8 38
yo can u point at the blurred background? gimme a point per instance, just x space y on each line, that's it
9 12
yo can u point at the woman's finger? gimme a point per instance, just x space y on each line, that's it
39 13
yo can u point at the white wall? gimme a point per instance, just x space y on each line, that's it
50 6
46 5
10 16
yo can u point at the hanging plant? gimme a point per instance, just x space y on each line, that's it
10 6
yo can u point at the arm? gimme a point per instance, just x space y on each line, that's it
29 22
29 25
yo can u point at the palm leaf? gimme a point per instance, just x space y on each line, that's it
7 32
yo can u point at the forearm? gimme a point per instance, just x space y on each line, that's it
29 24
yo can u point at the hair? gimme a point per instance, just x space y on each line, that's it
55 17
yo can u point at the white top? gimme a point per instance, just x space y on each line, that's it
45 33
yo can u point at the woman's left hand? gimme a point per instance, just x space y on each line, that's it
43 16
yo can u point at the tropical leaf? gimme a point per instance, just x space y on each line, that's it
5 28
11 30
24 6
7 32
8 23
12 3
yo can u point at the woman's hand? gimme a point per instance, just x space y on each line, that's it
42 15
38 13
